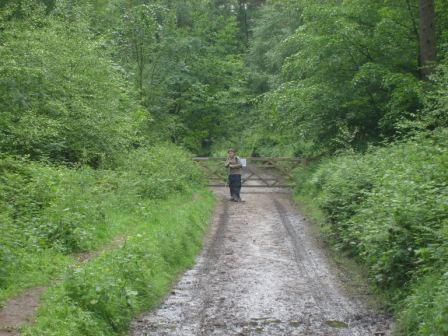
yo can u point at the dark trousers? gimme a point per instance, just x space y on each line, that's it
235 185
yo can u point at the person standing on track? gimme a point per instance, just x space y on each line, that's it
233 163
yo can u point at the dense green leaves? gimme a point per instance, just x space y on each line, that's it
60 98
331 68
184 58
48 209
159 172
95 84
102 297
426 310
389 209
43 209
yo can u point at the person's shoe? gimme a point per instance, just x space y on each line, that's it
238 199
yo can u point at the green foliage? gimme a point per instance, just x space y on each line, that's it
159 172
388 206
50 207
425 310
436 111
185 60
46 210
60 97
323 67
49 211
102 297
389 209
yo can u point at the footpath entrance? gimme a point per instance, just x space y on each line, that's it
258 172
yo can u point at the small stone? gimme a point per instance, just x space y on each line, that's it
294 323
336 324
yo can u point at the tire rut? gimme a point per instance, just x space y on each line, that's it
261 272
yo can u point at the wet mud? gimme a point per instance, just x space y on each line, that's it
261 272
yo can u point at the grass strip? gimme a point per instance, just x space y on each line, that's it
102 296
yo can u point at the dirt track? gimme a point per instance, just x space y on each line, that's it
261 272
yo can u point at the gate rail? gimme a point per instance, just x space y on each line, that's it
266 172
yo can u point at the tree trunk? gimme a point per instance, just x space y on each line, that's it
428 46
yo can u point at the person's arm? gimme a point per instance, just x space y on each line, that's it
237 164
227 163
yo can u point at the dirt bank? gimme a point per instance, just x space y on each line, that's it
262 272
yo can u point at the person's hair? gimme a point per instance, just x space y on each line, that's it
231 150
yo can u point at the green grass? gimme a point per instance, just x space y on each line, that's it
388 210
33 267
49 213
33 270
425 309
102 296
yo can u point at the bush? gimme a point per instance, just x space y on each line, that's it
103 297
49 206
159 171
425 310
389 208
48 211
60 98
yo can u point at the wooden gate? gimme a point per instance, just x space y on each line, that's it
259 172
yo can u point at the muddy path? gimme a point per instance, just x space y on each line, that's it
261 272
22 309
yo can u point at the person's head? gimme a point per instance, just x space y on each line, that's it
231 152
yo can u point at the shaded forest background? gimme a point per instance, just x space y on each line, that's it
280 78
102 94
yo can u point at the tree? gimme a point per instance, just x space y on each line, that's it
60 97
428 41
327 70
